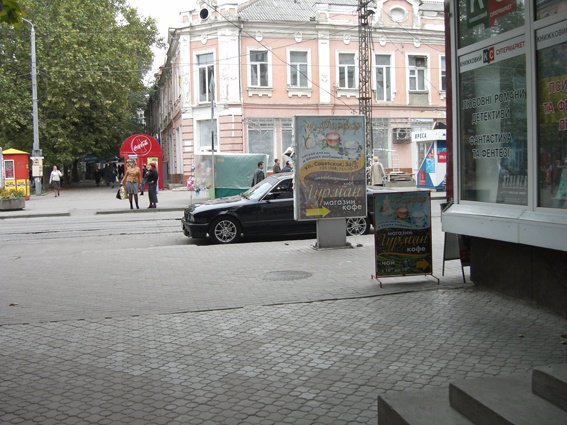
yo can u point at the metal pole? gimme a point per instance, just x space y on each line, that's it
212 90
36 151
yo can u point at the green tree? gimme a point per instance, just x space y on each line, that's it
91 60
10 12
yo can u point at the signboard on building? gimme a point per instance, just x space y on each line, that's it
330 172
403 234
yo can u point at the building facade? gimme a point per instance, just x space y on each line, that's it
508 124
236 74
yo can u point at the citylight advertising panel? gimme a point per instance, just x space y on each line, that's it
330 173
402 236
493 139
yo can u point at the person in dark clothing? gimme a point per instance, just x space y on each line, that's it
259 174
152 180
144 175
109 175
287 168
277 167
97 176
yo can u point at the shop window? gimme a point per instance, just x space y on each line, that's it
287 134
261 137
494 125
552 119
380 140
545 8
482 19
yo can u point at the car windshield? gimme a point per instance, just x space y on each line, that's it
256 192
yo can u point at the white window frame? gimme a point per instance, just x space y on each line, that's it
347 67
442 73
268 64
289 69
418 73
390 73
198 76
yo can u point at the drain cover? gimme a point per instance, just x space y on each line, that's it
286 275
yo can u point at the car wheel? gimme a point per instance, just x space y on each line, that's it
357 226
224 230
186 232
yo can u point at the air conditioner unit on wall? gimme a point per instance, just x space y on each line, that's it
402 135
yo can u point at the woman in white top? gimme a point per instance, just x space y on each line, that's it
55 180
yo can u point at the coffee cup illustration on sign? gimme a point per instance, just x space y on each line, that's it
333 140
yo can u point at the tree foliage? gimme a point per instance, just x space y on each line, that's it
91 59
11 12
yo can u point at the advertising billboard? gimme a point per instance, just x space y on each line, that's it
330 167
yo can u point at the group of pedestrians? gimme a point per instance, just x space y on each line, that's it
135 179
259 174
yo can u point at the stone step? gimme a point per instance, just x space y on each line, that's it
503 401
426 407
550 383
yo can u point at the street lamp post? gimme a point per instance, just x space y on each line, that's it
36 151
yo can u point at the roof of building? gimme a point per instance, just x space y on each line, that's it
285 10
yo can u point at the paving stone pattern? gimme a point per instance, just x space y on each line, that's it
304 363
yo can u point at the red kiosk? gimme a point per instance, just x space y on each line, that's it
143 149
16 170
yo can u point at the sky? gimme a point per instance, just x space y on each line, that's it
166 14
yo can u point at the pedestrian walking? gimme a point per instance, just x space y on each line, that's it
131 182
259 174
152 177
55 180
277 167
377 172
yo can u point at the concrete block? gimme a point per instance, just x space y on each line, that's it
424 407
550 383
503 401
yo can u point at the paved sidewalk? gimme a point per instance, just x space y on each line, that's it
159 360
85 200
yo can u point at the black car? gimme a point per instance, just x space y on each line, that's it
263 210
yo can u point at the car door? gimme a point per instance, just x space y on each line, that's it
275 210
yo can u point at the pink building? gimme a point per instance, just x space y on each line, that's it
262 62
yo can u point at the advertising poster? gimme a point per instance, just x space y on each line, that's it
330 172
204 175
9 169
402 236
